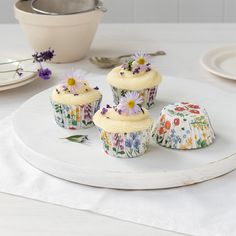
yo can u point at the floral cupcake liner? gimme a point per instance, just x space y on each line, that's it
192 138
75 116
125 145
179 131
148 95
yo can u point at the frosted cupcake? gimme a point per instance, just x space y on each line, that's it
135 75
74 102
124 129
184 126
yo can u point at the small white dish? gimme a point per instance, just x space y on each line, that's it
12 86
221 62
9 80
69 35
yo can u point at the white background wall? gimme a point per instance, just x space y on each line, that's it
154 11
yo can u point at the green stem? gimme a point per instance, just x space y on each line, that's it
10 62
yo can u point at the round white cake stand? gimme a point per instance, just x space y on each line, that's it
38 141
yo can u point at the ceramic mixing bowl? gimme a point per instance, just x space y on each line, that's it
69 35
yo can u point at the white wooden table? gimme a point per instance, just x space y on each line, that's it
184 44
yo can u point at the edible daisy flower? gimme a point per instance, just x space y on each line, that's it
141 61
130 104
73 82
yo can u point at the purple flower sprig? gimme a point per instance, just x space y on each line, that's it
43 56
39 58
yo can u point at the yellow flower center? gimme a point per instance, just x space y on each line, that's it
71 81
131 103
141 61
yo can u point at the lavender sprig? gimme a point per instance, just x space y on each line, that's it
38 57
43 56
138 63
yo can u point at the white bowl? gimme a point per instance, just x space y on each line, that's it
69 35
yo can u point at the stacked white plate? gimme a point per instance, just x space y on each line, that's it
9 80
221 62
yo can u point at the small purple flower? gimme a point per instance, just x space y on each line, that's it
43 56
130 104
104 111
136 70
44 73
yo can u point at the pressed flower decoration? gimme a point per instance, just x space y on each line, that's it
138 63
37 58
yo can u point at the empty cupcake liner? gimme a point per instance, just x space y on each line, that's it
177 132
148 95
75 116
125 145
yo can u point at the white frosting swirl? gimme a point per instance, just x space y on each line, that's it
85 95
124 79
114 122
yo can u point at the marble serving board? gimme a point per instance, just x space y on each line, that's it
38 141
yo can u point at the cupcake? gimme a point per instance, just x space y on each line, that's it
125 128
135 75
184 126
74 102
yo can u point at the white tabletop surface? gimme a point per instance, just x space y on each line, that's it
184 44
